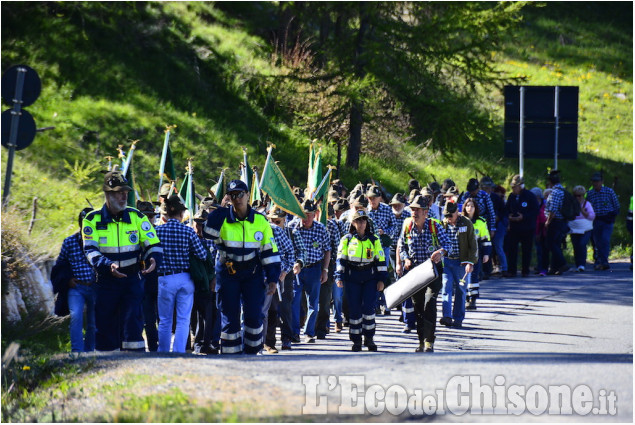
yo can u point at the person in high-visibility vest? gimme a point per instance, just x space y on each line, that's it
470 210
361 271
247 254
116 238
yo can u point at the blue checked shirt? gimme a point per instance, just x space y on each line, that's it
335 233
285 248
419 245
210 246
73 252
383 218
178 241
554 202
298 245
316 240
485 207
453 236
396 230
604 202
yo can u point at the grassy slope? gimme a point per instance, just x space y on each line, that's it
111 77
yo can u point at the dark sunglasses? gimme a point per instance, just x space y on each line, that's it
237 195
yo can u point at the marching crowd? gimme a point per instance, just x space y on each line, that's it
225 283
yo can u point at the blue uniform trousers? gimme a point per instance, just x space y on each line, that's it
247 285
150 309
309 279
361 289
119 313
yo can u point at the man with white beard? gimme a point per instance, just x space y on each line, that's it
119 243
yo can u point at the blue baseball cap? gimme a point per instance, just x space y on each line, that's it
237 186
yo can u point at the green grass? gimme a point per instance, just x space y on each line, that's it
114 74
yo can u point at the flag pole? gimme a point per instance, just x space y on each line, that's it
190 191
129 159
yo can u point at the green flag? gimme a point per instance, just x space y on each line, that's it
321 195
188 194
278 188
255 189
318 175
166 168
184 186
169 171
309 179
219 188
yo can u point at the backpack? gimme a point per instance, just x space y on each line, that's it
570 208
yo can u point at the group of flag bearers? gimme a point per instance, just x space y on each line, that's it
259 251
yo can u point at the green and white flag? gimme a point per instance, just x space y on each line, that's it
274 183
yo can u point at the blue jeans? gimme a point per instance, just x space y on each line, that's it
453 272
602 232
337 304
78 297
309 281
176 290
579 242
498 243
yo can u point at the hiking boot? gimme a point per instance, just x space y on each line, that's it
561 270
368 342
208 349
270 350
470 304
357 347
446 321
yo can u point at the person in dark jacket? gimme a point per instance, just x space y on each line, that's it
521 209
73 277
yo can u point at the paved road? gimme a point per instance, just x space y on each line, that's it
536 333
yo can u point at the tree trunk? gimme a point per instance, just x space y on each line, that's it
357 106
355 136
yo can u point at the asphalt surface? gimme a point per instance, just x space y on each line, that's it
528 336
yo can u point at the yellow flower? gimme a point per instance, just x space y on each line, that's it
26 367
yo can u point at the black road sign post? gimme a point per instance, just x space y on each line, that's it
20 86
541 122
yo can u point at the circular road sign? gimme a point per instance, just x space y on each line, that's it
31 89
26 129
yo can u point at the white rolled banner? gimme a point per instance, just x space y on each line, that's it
414 281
